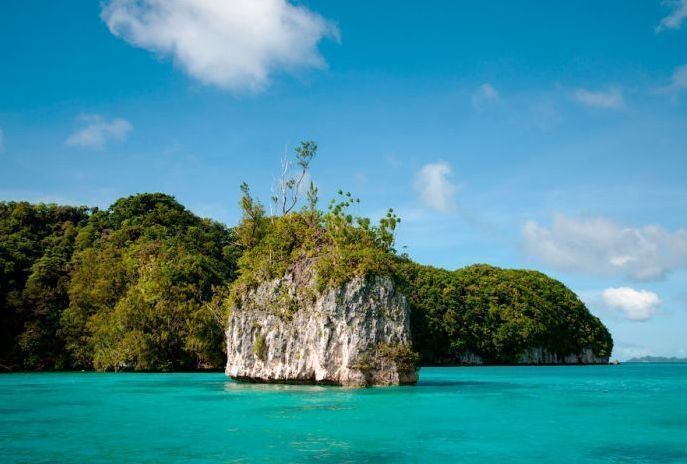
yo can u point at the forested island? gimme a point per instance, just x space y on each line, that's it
146 285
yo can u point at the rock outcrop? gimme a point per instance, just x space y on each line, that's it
355 335
536 356
542 356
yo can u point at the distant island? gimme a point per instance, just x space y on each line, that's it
656 359
297 294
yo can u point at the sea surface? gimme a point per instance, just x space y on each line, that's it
633 413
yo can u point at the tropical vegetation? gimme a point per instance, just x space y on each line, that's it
146 284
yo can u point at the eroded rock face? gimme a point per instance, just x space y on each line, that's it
539 356
355 335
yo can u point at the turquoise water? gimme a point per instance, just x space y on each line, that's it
587 414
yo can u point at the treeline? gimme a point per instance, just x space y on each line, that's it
478 311
36 248
145 285
495 314
128 287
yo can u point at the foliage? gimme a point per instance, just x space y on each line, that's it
288 189
400 354
496 314
253 222
338 245
141 287
481 310
36 243
260 346
147 285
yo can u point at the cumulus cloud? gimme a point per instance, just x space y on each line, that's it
433 184
485 95
606 99
636 305
232 44
97 132
601 246
674 19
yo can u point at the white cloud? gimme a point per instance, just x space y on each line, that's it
485 95
606 99
232 44
680 77
679 80
98 131
435 188
675 17
636 305
678 83
600 246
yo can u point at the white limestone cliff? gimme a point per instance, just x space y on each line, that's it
355 335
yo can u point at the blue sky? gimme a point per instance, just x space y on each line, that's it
546 135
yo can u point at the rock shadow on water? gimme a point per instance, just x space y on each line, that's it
232 386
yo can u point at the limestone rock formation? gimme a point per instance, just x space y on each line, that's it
536 356
541 356
354 335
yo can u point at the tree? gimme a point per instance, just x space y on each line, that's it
252 225
141 287
496 314
288 188
36 242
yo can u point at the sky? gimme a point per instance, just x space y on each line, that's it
539 135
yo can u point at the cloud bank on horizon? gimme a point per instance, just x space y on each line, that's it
236 45
600 246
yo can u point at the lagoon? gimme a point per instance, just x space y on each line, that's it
632 413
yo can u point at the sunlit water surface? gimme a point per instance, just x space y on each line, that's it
583 414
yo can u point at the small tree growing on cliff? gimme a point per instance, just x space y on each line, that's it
343 227
288 193
340 243
289 185
251 229
313 197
